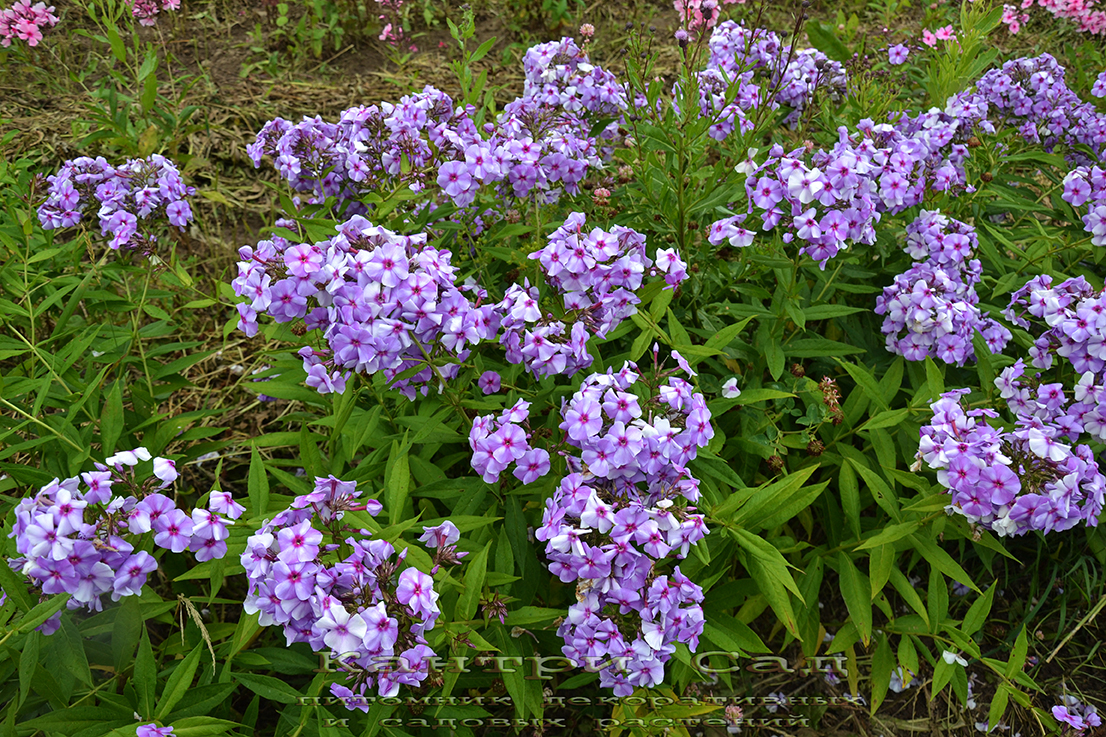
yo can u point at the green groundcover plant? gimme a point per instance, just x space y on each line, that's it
590 399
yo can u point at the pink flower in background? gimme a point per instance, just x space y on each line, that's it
146 11
946 33
25 22
928 38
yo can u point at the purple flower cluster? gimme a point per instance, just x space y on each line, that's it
384 302
1014 481
498 442
540 141
829 198
787 76
72 536
390 303
131 198
621 509
1075 316
931 310
25 22
559 75
1030 94
1076 714
352 595
596 274
1086 185
146 11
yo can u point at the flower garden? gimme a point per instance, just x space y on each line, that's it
403 367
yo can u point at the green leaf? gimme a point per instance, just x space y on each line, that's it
482 50
908 593
942 561
773 355
883 663
475 572
258 485
977 612
998 705
937 599
397 479
202 726
117 47
1018 655
850 497
890 418
15 588
149 93
820 347
771 496
880 562
855 589
74 719
144 679
732 634
179 682
125 633
881 492
42 612
28 663
769 569
752 396
865 381
935 376
111 421
723 337
825 40
942 674
268 687
890 534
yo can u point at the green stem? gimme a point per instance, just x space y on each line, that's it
37 421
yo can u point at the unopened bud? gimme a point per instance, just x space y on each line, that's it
815 447
299 329
986 176
797 370
775 463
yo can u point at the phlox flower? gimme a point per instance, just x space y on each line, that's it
441 536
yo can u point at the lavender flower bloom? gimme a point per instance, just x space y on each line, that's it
366 608
385 303
1011 481
1076 714
1087 186
152 730
931 309
146 190
621 508
74 536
